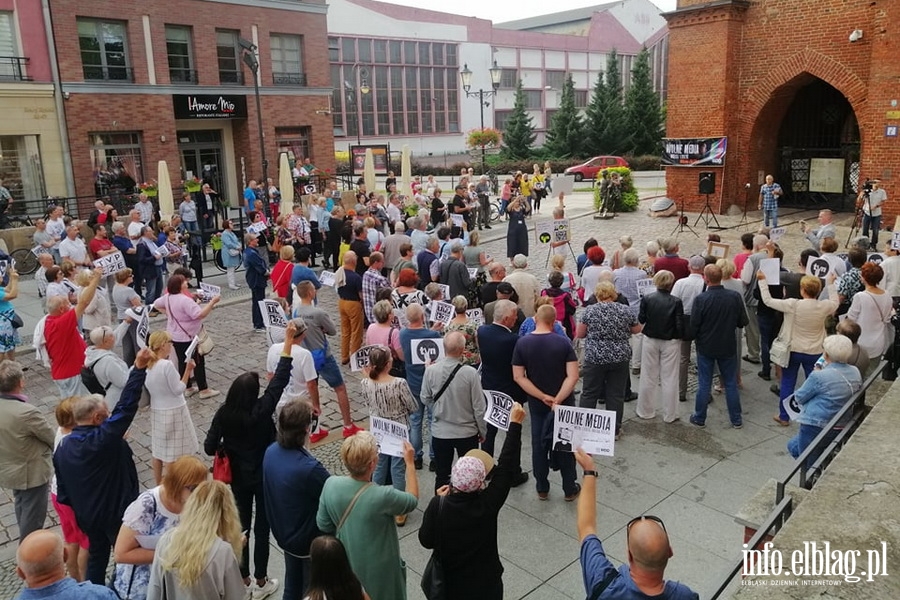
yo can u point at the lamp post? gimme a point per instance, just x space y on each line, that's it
353 95
248 55
466 76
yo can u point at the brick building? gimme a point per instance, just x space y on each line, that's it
807 91
165 80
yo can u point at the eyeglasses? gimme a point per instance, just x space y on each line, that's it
653 518
191 488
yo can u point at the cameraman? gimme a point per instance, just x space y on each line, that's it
870 200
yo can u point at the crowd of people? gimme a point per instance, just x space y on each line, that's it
613 314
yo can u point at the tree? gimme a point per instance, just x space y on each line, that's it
518 135
595 119
643 114
606 127
565 137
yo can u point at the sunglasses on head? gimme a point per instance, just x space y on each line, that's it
653 518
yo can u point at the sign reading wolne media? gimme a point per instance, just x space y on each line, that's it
209 106
694 152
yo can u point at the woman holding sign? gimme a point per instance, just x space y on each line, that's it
390 398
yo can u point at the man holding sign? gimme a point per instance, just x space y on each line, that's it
546 368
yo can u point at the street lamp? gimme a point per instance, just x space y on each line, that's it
353 95
248 55
466 76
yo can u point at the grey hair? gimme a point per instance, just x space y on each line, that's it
454 342
399 227
432 241
98 334
520 261
503 308
55 303
631 256
415 313
84 407
456 247
460 304
652 248
117 226
838 347
11 376
759 241
670 245
382 311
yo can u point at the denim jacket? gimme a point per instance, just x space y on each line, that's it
824 393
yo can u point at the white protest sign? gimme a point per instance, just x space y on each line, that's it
273 319
822 266
360 359
776 233
499 407
876 258
592 430
445 290
791 407
40 250
162 250
400 315
564 184
543 232
390 435
645 286
189 353
895 240
257 228
326 278
426 351
457 220
771 268
210 290
476 315
4 266
442 312
143 328
561 230
473 271
110 263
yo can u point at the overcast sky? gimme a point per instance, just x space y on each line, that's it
500 11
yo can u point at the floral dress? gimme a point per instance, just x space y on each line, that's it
9 335
470 356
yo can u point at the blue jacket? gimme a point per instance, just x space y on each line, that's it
230 242
497 344
292 483
257 271
717 312
825 392
95 471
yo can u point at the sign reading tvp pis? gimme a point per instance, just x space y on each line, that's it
209 106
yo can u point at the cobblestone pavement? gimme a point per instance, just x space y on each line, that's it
695 479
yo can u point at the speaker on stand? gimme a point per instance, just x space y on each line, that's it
707 186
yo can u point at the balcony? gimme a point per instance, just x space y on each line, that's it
227 77
183 76
98 73
12 68
297 79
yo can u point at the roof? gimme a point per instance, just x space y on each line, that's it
558 18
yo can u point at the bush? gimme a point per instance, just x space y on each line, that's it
630 198
644 162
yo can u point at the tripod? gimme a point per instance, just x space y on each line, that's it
743 222
683 222
550 253
708 211
859 216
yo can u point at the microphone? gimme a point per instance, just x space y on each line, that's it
747 185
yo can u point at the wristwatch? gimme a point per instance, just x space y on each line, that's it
594 473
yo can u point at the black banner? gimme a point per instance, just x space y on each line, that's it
207 106
694 152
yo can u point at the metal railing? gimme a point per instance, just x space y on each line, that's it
289 79
820 452
12 68
179 75
98 73
227 77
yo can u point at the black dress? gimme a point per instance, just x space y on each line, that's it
517 234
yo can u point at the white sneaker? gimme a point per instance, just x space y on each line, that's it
234 287
264 591
190 391
248 594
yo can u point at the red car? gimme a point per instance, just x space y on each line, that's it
589 169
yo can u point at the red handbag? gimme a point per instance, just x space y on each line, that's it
221 466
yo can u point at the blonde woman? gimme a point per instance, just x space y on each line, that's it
198 559
172 433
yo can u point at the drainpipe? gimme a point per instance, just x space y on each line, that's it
68 171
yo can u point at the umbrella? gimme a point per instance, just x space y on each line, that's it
369 171
286 185
165 197
405 171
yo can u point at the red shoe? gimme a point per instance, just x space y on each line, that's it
351 430
318 436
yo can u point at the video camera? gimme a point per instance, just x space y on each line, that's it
867 186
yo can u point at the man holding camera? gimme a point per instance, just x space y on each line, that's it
870 200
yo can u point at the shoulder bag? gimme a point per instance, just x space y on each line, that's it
447 383
221 466
398 367
205 342
434 580
780 350
349 508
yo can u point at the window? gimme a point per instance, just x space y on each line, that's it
294 141
501 119
20 168
581 98
409 52
509 78
437 54
381 51
450 52
229 56
548 119
348 49
102 45
396 53
334 50
364 49
534 99
287 60
178 47
555 79
424 53
12 66
116 160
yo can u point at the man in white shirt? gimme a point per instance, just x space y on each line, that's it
73 248
135 226
871 207
304 379
56 227
891 268
145 208
687 289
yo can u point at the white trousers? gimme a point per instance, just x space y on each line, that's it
659 377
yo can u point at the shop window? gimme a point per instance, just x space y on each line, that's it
20 167
117 162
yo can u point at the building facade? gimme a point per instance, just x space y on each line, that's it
31 146
395 69
166 80
806 91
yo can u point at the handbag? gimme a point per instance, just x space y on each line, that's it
398 367
205 343
221 470
434 579
780 349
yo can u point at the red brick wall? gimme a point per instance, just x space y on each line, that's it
152 114
735 71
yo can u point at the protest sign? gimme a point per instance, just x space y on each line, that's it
40 250
476 315
564 184
257 228
717 249
791 407
876 258
822 266
499 407
561 230
445 291
189 353
400 315
442 312
895 240
543 232
426 351
776 233
645 286
457 220
143 328
273 319
592 430
326 278
771 268
210 290
390 435
359 360
473 271
110 263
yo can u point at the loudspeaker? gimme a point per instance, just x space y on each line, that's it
707 183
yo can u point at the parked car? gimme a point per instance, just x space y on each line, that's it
589 169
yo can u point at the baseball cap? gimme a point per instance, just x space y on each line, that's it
504 287
486 459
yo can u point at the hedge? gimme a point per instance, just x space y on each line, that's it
630 198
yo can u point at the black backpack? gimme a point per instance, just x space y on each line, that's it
90 381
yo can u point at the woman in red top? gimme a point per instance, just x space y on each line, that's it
281 274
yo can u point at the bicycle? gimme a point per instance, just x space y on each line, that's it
216 243
26 261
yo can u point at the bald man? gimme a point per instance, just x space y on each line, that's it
41 563
647 547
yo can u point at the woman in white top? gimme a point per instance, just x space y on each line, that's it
172 432
110 370
590 275
872 309
198 558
